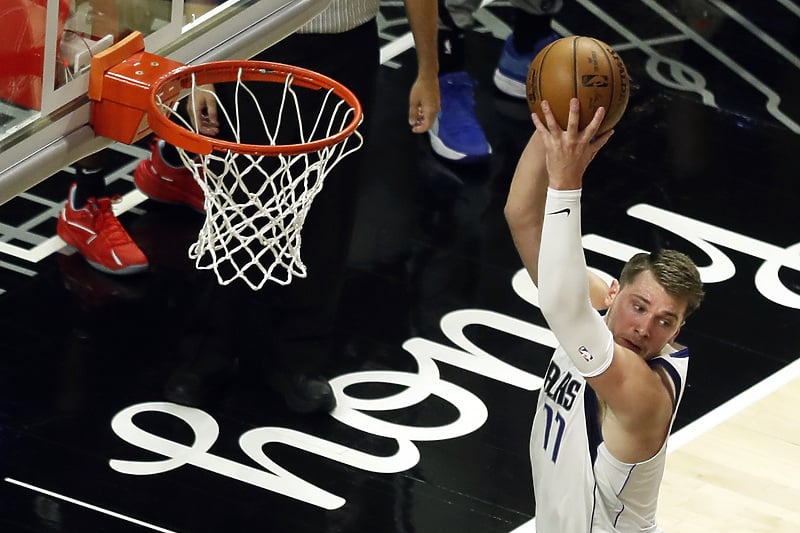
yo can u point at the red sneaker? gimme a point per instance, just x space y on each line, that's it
99 237
164 183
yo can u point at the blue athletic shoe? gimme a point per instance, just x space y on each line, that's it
456 134
512 69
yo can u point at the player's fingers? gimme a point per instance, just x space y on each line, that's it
208 128
574 118
549 119
414 114
591 129
418 118
537 122
424 120
211 110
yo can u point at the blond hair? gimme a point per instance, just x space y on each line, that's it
673 270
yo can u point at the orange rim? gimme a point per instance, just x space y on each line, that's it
227 71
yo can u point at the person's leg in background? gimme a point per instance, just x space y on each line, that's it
457 135
164 178
531 31
300 317
280 335
87 222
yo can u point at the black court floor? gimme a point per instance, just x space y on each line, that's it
441 349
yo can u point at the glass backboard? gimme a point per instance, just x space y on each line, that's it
48 45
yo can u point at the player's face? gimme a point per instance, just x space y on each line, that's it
644 317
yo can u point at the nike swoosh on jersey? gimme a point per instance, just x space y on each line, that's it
565 210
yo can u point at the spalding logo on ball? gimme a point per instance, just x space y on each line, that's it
582 68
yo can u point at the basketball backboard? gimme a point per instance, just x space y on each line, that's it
44 76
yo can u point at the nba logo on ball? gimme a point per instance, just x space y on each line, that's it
583 68
593 80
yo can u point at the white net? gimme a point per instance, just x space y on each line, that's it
255 205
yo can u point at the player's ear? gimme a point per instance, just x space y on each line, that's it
613 290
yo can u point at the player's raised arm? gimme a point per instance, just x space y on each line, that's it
524 209
563 282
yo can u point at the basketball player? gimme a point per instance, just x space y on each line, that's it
597 451
457 135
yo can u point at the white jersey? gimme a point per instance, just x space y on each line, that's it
578 485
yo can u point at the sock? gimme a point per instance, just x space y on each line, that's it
529 28
451 51
89 183
170 155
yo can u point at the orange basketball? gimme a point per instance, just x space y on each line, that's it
582 68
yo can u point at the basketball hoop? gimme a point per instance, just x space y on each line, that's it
258 190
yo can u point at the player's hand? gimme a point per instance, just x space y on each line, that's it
202 109
423 103
569 151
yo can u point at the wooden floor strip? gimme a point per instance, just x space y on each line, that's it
740 470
